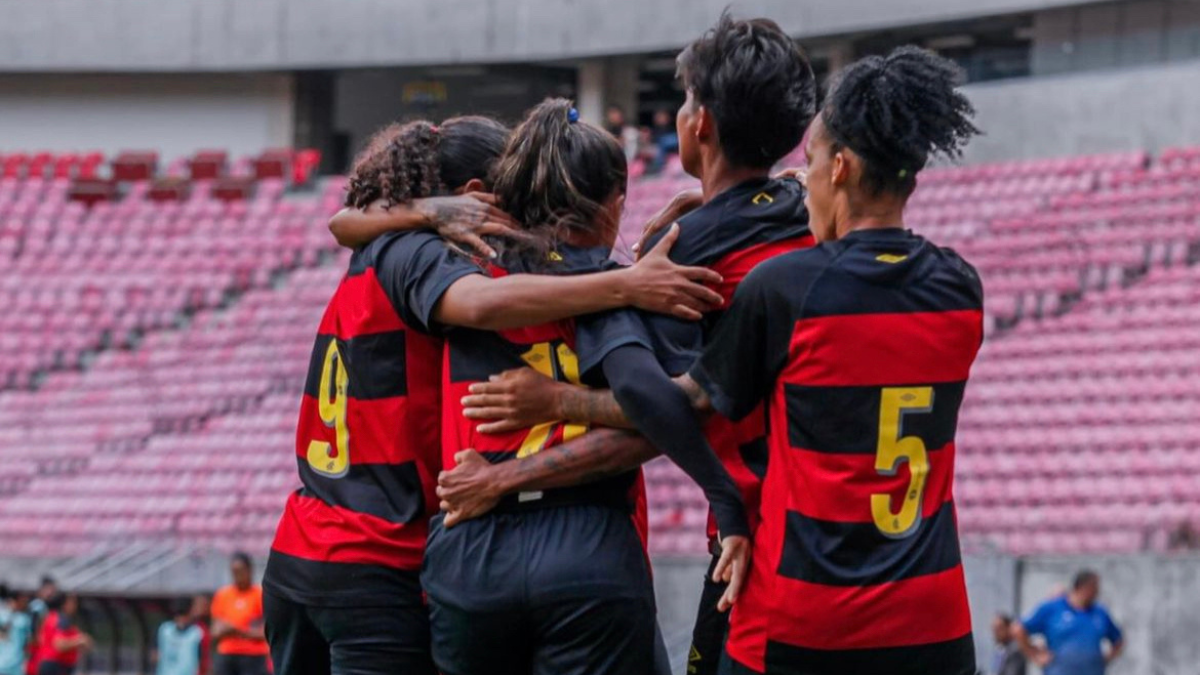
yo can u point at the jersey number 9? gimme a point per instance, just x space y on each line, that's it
332 461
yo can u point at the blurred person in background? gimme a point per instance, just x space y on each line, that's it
202 618
177 651
16 629
664 134
237 622
627 134
1075 627
1007 658
47 589
61 643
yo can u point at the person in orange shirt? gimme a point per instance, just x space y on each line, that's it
237 623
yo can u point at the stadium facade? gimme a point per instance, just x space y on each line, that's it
1050 77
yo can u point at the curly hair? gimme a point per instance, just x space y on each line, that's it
403 162
758 85
399 164
896 112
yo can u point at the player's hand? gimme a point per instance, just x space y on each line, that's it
467 491
797 173
680 205
731 569
658 285
515 399
1043 657
466 219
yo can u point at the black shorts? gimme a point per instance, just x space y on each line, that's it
561 590
239 664
711 629
308 640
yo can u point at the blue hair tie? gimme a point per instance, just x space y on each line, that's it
572 116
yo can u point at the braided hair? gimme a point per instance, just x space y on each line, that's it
409 161
896 112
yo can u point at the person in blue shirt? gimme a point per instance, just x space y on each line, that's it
16 628
1075 628
179 642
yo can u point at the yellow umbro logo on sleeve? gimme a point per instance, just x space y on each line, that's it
891 258
761 198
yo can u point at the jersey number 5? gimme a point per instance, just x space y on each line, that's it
332 461
894 449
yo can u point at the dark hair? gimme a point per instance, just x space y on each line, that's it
6 593
556 173
180 607
409 161
242 557
758 85
56 601
895 112
1004 616
48 580
1083 578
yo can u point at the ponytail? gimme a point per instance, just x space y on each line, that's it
557 173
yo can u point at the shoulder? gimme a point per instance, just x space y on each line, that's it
790 272
399 245
960 266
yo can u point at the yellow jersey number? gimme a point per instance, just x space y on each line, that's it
332 460
894 449
559 363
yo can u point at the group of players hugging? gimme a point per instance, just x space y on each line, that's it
486 383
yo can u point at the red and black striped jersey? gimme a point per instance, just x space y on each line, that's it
735 231
368 443
862 348
568 351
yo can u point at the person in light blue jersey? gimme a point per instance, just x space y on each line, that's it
16 628
179 641
1076 629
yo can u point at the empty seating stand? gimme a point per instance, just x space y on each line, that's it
155 347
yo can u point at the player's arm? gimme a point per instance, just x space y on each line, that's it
523 397
655 284
462 219
475 485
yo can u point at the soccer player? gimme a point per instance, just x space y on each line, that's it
237 613
750 96
557 581
16 630
179 641
861 347
342 588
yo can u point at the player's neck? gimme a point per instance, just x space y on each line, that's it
719 175
872 215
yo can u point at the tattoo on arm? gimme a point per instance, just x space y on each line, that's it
593 406
596 455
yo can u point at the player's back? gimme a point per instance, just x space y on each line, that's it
367 442
732 234
563 350
857 567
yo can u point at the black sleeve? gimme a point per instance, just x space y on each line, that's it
598 335
748 348
664 415
415 269
676 343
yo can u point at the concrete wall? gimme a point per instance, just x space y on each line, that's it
1115 110
1115 35
182 35
175 114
